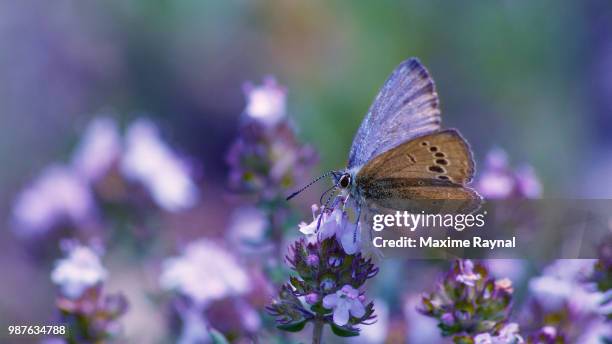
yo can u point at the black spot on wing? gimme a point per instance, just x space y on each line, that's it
436 169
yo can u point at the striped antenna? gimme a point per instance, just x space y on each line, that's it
309 184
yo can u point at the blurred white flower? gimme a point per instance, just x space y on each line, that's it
563 283
499 181
266 102
204 272
57 195
528 182
344 302
79 270
573 270
99 148
248 225
150 161
495 185
509 334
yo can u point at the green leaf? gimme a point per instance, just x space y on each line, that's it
293 327
344 331
217 337
319 309
463 340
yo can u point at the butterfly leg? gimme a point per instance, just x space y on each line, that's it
332 189
357 222
325 205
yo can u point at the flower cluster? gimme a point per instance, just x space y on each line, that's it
57 198
564 300
328 288
204 273
91 316
471 306
267 158
211 285
94 317
499 181
103 167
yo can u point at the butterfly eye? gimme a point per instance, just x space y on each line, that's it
345 180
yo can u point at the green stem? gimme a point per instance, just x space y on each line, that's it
317 332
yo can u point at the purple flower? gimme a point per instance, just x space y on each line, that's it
499 181
90 315
330 223
563 283
205 272
447 319
565 298
602 272
467 302
339 302
57 195
149 161
312 260
93 317
546 335
267 158
344 302
466 273
312 298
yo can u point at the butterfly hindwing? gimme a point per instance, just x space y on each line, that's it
430 167
428 198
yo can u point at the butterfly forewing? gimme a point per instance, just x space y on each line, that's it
420 173
406 107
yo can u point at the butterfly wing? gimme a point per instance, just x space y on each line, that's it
405 107
420 173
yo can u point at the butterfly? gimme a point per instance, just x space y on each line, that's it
401 158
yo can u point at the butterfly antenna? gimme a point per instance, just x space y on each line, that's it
309 184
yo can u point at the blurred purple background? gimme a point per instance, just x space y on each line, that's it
532 78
